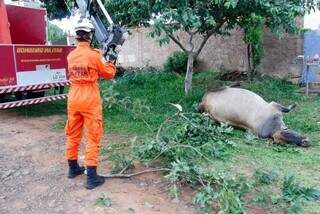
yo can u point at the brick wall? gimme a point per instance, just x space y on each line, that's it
229 52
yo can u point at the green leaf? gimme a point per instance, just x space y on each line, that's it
231 4
275 199
266 177
178 106
104 200
131 211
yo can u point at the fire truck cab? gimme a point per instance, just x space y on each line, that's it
28 66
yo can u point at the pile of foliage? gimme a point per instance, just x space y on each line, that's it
188 145
191 148
187 138
238 194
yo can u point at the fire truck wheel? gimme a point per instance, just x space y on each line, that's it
20 95
2 96
28 95
31 95
59 89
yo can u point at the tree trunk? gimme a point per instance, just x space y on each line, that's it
188 80
254 65
250 62
249 58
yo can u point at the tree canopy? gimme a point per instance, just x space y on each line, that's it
206 18
54 32
203 18
57 9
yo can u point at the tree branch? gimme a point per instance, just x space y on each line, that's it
177 42
204 41
207 36
181 146
121 175
191 34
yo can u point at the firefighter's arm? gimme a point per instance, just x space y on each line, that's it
106 70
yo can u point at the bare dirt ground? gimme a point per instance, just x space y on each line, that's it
33 176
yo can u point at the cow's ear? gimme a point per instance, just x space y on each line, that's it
292 106
282 108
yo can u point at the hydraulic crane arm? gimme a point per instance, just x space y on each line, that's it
108 37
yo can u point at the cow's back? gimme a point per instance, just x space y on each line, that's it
236 106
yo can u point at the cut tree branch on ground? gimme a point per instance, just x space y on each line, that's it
121 175
181 146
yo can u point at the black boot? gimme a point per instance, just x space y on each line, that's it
75 169
93 180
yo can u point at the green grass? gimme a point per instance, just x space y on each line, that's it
157 90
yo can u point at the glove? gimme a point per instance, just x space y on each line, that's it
111 56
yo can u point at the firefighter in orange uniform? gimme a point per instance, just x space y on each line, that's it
85 66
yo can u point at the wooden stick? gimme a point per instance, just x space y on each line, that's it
121 175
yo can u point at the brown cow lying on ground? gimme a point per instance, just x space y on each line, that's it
245 109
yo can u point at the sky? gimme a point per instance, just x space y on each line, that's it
312 20
67 24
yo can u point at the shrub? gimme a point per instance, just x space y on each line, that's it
177 62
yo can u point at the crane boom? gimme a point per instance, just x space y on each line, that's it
108 37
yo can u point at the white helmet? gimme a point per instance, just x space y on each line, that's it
85 25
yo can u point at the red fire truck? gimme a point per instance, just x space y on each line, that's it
29 67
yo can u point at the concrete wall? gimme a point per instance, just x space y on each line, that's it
229 52
279 55
140 50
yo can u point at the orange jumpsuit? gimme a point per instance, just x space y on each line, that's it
84 102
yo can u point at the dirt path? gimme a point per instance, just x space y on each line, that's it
33 176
